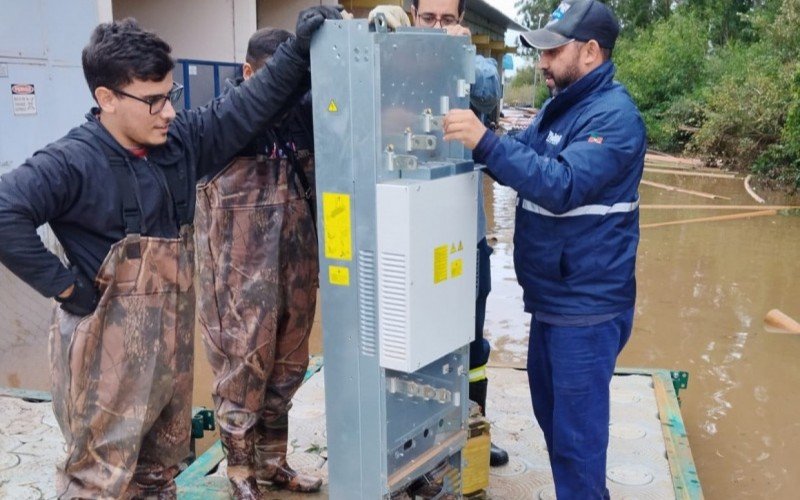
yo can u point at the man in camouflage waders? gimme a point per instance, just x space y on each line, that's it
257 263
118 192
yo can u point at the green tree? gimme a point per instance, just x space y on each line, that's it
632 14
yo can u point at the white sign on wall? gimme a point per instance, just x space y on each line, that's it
23 97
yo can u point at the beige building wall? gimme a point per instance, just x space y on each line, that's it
283 14
214 30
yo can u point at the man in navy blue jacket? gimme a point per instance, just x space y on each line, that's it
576 170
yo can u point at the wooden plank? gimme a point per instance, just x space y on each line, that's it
759 213
685 191
717 207
25 394
689 173
481 40
497 45
456 441
661 157
779 322
685 482
505 50
750 190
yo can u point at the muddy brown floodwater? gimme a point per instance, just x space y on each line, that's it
703 290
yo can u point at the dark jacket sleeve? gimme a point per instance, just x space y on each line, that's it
579 173
220 129
39 190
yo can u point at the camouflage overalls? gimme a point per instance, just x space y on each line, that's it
122 376
257 266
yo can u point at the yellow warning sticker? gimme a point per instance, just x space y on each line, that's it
460 246
339 275
337 226
456 268
453 248
440 264
332 107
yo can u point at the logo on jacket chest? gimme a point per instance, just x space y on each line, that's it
553 138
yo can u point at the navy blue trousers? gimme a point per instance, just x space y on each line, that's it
569 371
479 348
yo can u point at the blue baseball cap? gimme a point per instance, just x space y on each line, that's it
581 20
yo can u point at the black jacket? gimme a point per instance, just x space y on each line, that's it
69 184
296 125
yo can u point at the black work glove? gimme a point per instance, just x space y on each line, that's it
83 299
309 22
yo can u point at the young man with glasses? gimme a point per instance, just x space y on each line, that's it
118 192
484 97
576 170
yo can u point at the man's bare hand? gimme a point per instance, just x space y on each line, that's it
457 30
462 125
66 293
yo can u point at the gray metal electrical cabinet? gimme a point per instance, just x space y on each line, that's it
397 217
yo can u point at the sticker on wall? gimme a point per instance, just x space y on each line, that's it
23 97
336 225
332 107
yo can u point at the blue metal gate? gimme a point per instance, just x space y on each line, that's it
203 80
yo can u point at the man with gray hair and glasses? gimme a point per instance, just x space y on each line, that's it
576 170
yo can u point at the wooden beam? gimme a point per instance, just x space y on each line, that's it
497 45
689 173
718 218
750 190
664 158
778 322
717 207
481 40
686 191
453 442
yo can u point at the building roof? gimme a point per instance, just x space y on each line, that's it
484 9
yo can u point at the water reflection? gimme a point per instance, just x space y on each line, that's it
703 289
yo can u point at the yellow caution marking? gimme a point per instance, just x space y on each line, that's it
332 107
475 456
456 268
337 226
339 275
440 264
477 374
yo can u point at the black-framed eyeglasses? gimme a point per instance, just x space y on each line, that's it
157 102
430 19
